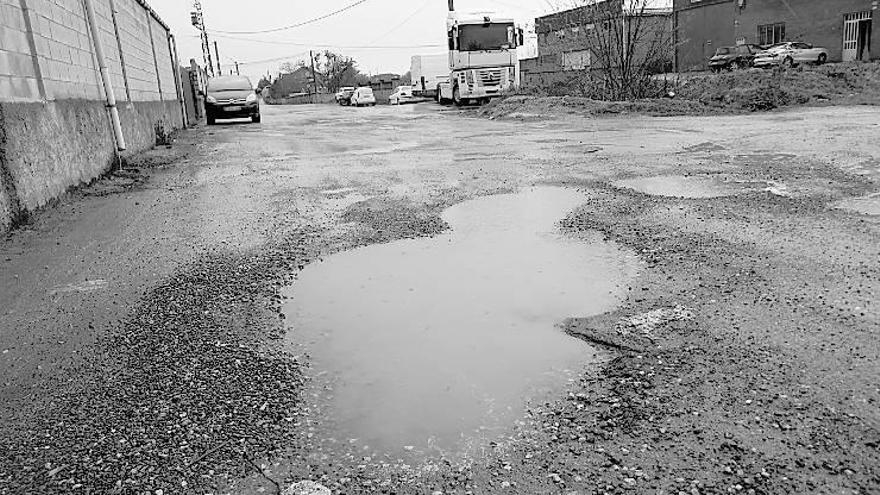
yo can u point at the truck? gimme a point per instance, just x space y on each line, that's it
482 57
428 71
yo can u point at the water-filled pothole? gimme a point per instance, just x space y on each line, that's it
692 187
866 205
427 342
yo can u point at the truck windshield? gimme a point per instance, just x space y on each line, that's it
476 37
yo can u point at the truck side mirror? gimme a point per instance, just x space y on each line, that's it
520 37
511 37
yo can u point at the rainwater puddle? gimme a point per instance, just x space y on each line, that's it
425 345
679 186
867 205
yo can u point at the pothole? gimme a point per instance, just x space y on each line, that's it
866 205
691 187
420 346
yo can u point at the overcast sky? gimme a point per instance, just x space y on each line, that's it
381 35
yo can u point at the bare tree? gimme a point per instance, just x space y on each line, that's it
628 42
290 67
334 70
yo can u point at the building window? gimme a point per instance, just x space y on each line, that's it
577 60
769 34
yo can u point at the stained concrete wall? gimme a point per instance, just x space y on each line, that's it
723 22
699 29
819 22
55 131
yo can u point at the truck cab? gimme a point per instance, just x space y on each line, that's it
482 57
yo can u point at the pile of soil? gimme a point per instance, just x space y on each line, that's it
757 89
743 91
525 107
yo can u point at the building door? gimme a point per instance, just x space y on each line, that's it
857 36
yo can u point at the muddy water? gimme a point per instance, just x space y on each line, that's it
424 344
682 187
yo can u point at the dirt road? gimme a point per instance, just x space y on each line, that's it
141 317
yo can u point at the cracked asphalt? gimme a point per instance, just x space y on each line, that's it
141 330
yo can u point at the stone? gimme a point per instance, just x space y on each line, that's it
306 488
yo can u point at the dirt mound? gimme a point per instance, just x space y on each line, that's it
743 91
525 107
758 89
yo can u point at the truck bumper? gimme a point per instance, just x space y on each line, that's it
483 91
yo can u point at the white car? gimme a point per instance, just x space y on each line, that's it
363 97
791 54
404 94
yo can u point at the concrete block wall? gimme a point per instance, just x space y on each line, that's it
18 78
54 127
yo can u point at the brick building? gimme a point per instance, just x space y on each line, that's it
383 82
567 40
844 27
296 82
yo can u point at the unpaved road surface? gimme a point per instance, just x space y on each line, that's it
141 331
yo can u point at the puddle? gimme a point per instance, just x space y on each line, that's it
679 186
867 205
87 286
427 344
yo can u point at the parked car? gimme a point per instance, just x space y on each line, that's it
733 57
404 94
363 97
343 97
790 54
231 97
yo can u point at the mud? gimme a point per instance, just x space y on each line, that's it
143 342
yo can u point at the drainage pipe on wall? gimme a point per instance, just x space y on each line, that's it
105 76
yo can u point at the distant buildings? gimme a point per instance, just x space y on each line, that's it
298 81
699 27
385 82
844 27
581 38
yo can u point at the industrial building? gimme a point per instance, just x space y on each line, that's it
844 27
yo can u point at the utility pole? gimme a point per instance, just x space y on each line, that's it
217 57
314 79
197 17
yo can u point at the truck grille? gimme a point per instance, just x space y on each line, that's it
490 77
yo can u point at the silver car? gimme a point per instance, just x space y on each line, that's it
790 54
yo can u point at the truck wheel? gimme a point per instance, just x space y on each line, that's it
456 96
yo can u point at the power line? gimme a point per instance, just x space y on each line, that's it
417 11
276 59
324 45
299 24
